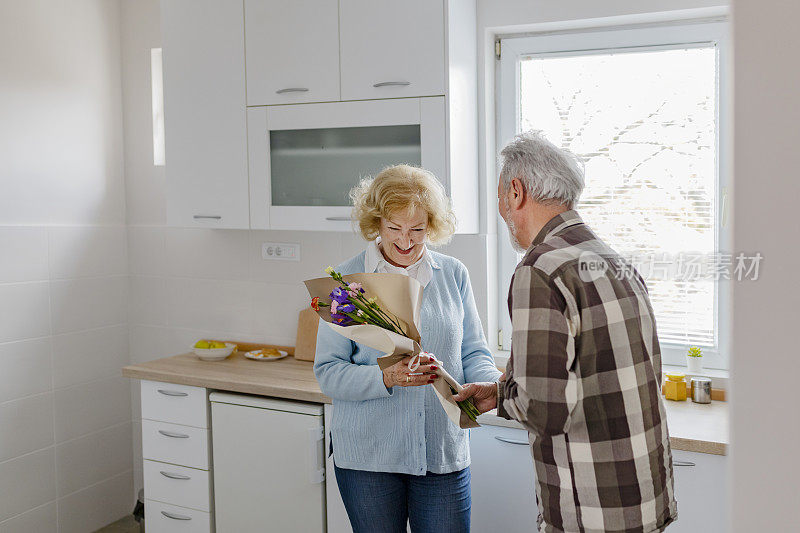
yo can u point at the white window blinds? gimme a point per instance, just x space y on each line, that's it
644 123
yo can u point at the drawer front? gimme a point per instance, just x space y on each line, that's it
178 404
172 443
165 518
178 485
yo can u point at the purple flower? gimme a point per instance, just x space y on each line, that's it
346 308
340 295
342 320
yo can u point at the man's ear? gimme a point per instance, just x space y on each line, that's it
517 193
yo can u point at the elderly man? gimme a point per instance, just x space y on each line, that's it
585 364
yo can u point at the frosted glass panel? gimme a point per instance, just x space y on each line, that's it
318 167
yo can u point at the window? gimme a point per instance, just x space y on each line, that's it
641 107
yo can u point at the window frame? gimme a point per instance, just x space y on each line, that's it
601 40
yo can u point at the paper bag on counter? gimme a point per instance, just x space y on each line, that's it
401 296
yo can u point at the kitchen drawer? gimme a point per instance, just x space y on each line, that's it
177 485
178 404
172 443
166 518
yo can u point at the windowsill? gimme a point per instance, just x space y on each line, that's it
719 378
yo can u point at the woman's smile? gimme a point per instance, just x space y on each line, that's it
404 251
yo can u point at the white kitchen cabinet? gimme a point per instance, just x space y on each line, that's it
305 158
204 113
269 466
292 51
503 480
701 483
175 449
392 49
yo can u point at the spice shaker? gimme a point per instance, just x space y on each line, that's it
701 390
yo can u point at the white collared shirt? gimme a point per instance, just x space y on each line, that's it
374 261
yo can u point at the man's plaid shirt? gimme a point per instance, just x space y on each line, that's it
584 379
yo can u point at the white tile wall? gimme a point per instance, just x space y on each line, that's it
202 253
89 355
24 254
77 252
63 261
77 304
42 519
27 368
26 482
93 458
28 425
65 411
146 251
97 505
91 407
24 310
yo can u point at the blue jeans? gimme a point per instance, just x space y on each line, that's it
382 502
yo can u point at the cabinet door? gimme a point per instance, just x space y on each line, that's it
701 482
503 491
268 470
204 113
392 49
292 51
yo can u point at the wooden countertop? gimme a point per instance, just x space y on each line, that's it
285 378
692 427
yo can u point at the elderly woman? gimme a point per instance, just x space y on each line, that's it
398 457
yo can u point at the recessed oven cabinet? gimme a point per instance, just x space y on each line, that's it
305 158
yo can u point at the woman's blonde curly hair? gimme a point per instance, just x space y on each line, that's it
402 189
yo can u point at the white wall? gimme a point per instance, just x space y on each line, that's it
65 420
191 283
766 359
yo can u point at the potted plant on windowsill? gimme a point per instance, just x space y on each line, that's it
694 360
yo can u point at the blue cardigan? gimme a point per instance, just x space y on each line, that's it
405 429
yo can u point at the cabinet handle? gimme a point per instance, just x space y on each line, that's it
683 463
172 475
292 90
176 516
347 219
392 84
513 441
173 435
212 217
172 392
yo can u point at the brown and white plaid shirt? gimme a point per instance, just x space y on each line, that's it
584 379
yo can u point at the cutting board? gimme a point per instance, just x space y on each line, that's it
306 344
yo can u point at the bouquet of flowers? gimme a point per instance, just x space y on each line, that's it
351 307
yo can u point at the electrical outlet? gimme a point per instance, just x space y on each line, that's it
281 251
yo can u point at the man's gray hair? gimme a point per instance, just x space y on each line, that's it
548 173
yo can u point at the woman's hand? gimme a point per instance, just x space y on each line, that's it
400 375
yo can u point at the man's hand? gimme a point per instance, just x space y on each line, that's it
484 395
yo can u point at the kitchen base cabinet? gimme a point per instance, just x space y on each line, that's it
269 467
701 482
503 491
175 449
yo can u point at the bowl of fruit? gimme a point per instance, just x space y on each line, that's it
213 350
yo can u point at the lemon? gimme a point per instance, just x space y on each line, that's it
203 344
216 344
